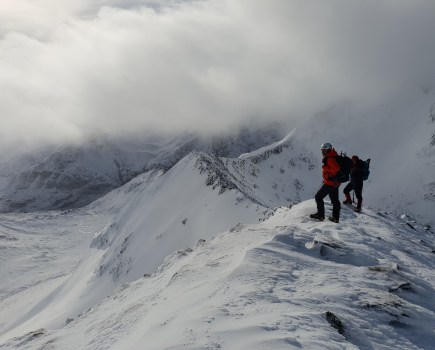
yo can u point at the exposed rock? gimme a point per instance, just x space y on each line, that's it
335 322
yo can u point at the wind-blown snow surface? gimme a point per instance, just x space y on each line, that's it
270 285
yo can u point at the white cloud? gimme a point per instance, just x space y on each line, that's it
69 68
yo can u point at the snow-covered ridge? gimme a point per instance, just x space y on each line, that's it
287 282
276 147
74 176
211 194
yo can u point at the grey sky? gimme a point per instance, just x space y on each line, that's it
69 68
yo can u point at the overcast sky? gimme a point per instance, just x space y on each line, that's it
68 68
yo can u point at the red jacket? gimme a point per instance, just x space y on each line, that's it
330 168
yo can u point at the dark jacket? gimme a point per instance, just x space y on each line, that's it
356 173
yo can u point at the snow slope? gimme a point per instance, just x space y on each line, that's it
38 252
285 283
151 217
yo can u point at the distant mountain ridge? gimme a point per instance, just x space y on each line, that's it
74 176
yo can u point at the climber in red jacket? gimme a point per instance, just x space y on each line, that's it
330 186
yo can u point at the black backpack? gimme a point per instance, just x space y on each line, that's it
346 165
365 169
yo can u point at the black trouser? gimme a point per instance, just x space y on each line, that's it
357 186
333 195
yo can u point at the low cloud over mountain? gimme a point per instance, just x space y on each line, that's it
71 69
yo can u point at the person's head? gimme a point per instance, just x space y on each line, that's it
355 159
325 148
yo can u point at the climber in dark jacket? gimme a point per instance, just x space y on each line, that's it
330 186
355 183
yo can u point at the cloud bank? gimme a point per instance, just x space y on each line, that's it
69 69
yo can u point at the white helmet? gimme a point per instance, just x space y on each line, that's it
326 146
